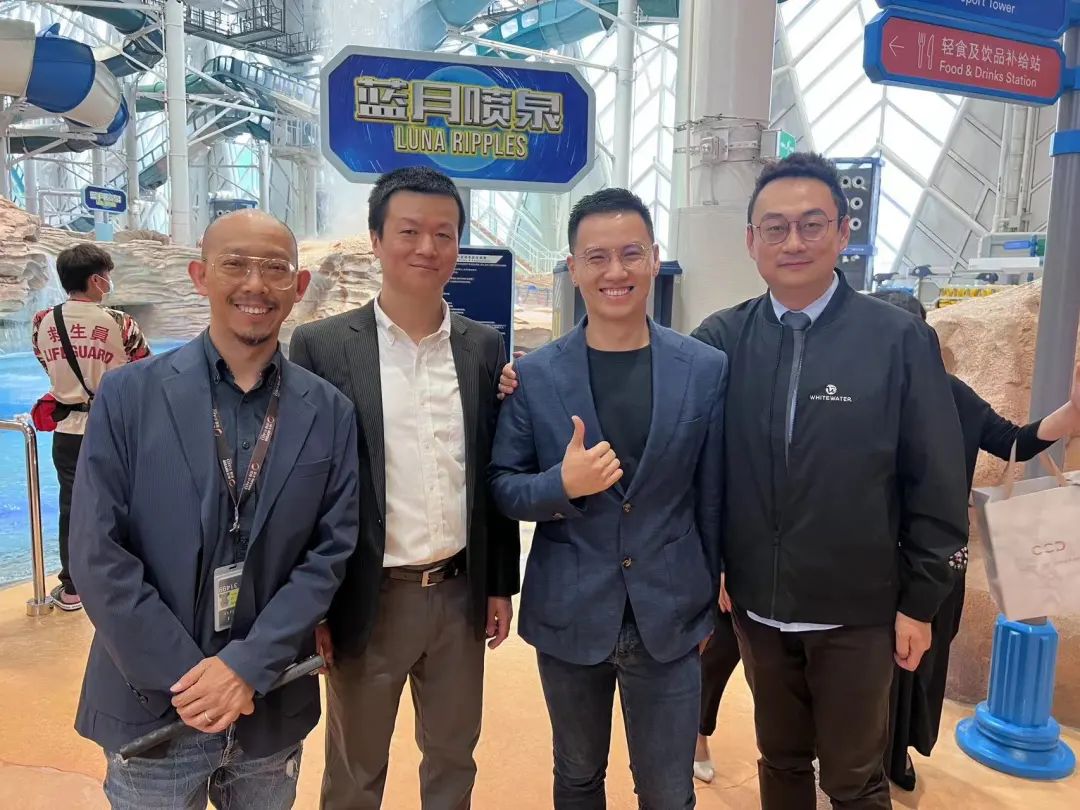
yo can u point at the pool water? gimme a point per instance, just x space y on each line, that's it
22 382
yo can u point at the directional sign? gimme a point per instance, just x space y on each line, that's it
1046 18
97 198
928 52
488 123
482 288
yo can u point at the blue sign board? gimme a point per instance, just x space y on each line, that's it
482 289
933 52
97 198
487 123
1047 18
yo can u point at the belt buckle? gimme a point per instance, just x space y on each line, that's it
425 578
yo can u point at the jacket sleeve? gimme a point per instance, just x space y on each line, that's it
933 482
289 618
709 482
503 534
147 642
521 490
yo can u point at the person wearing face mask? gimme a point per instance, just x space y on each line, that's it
102 339
613 446
215 503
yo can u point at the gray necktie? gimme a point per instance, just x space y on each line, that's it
798 323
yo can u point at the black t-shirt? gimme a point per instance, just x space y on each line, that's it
622 392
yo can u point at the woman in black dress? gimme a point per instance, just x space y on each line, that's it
917 697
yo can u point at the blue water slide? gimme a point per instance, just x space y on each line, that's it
551 24
66 77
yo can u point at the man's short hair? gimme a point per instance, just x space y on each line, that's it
77 263
417 179
808 165
902 299
608 201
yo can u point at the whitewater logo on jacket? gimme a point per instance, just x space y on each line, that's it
831 394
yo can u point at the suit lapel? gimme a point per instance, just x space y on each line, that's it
571 373
467 366
187 395
670 376
366 384
295 418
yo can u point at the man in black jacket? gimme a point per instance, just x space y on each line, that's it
845 494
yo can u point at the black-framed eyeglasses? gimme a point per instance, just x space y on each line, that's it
633 256
279 274
775 230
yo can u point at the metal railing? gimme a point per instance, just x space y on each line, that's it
40 605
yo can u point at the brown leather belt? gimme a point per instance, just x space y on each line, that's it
429 575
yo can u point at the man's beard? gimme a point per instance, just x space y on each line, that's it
253 339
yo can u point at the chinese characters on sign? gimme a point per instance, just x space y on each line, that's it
466 109
488 123
906 49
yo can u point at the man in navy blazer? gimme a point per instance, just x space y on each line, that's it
216 507
612 445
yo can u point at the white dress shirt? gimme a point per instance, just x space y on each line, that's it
814 310
424 439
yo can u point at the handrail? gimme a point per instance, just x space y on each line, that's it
40 604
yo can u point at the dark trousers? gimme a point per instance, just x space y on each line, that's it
823 693
660 704
718 661
65 453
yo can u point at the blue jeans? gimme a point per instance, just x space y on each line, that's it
200 766
660 704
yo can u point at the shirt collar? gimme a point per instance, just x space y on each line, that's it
392 332
219 369
815 309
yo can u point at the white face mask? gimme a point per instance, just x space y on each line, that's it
108 288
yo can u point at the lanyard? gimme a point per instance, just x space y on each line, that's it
258 456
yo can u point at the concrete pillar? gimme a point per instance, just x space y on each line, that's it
176 108
726 60
624 94
131 157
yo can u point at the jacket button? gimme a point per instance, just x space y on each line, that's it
627 562
378 521
143 699
557 516
627 507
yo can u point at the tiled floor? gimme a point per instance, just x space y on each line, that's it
44 764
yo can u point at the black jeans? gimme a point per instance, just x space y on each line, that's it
660 703
65 453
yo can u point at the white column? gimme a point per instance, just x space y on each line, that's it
176 107
5 175
30 183
264 176
97 169
311 200
728 62
131 157
624 94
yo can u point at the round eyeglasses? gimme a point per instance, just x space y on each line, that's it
775 230
632 257
278 274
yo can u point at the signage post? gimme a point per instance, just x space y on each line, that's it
953 46
482 288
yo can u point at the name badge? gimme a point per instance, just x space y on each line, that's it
226 591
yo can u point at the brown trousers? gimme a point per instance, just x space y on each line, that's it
822 693
422 635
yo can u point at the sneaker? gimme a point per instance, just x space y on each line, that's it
64 600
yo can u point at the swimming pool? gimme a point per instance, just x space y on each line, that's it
22 381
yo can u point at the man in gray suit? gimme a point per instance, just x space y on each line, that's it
436 564
215 505
612 445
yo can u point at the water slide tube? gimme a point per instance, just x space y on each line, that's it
547 25
68 78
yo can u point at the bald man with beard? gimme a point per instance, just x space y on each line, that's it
216 506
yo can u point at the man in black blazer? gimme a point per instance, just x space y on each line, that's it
436 564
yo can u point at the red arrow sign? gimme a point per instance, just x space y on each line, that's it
936 53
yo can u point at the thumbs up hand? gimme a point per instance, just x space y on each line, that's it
587 472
